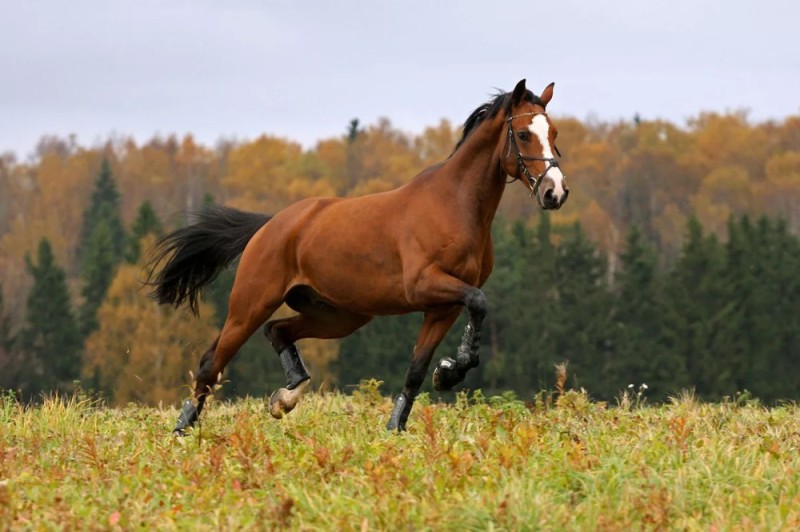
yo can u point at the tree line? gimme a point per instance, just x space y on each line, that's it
665 271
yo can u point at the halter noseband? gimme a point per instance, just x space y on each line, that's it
534 182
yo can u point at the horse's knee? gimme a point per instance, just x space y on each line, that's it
273 336
476 303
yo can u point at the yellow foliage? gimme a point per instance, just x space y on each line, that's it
372 186
725 191
728 139
671 227
652 173
599 227
259 174
332 154
436 143
780 191
143 351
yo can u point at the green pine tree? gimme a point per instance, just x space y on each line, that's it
643 344
523 312
735 345
500 363
51 339
8 359
102 247
783 371
146 223
698 308
772 375
104 207
541 315
99 268
582 330
6 339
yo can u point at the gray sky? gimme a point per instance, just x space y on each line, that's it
303 69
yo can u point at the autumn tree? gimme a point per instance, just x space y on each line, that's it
780 191
142 351
270 173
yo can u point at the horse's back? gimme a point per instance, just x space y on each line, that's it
360 253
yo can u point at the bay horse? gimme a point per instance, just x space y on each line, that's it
423 247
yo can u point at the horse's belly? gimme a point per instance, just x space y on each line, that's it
366 279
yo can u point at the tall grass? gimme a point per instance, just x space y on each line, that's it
479 463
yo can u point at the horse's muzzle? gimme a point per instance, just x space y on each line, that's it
551 201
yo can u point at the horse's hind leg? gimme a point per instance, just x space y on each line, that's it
245 315
316 320
434 328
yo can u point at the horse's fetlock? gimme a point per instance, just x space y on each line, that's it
463 359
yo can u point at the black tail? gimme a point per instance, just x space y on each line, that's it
199 252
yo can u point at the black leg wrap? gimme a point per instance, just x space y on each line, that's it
402 407
450 372
467 356
293 366
447 374
186 419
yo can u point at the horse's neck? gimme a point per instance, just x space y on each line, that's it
477 174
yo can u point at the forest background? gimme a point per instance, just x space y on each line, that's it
674 264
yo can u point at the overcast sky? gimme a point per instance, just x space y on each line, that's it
303 69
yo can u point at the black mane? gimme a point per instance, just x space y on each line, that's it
501 101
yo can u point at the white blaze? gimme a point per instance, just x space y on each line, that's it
540 127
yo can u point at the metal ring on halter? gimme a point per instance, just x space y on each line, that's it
552 162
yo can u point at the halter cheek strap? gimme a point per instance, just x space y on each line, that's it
552 162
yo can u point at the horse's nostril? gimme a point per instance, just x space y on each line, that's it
548 194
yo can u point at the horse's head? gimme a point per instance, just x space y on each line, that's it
528 146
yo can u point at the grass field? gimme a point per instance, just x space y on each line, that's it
479 464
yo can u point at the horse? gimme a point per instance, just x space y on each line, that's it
338 262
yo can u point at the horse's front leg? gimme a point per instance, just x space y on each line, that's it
449 371
434 328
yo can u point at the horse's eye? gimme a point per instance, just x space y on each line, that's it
524 136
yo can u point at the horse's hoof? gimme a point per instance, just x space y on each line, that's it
400 427
283 401
446 375
179 433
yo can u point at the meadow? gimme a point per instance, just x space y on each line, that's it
557 461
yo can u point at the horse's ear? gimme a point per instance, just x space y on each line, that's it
519 93
547 94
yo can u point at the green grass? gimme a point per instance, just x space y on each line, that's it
478 464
